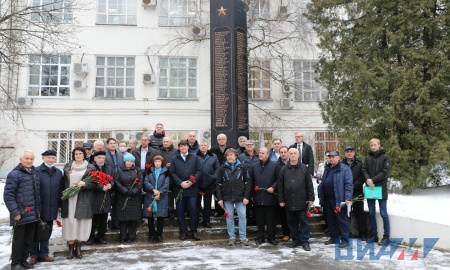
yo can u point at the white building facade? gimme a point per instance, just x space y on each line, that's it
142 62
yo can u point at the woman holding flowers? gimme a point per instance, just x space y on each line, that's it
128 206
156 187
233 190
76 211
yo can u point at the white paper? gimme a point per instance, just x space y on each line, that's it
349 209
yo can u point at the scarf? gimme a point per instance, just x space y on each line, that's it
157 172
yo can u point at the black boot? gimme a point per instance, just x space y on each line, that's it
70 253
383 240
78 250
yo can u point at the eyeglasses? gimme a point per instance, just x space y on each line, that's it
249 144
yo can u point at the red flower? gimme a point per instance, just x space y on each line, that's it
148 166
201 193
308 214
316 210
256 188
226 214
192 178
58 223
136 181
27 209
149 210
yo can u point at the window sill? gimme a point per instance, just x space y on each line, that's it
115 24
260 99
109 98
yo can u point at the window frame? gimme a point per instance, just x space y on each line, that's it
130 18
41 64
165 81
188 15
108 67
262 68
313 88
65 17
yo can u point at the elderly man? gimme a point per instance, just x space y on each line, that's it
221 147
274 153
281 211
306 152
22 198
167 151
250 156
50 181
241 142
132 144
114 158
264 175
210 167
98 146
100 208
296 194
156 140
336 191
144 154
193 143
376 170
88 148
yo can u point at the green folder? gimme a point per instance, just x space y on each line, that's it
376 193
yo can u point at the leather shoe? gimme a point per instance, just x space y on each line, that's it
195 236
90 241
17 267
46 259
343 244
101 240
259 241
272 241
33 261
330 241
182 236
294 245
206 224
306 247
26 265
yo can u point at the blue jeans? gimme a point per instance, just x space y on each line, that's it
241 211
383 213
40 249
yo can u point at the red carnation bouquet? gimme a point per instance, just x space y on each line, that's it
180 193
126 200
27 209
359 198
98 177
257 188
311 210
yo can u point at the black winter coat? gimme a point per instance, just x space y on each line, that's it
220 156
99 194
22 191
210 167
247 161
264 175
83 208
50 187
181 170
377 167
124 180
151 153
307 156
358 179
233 184
109 160
295 187
193 149
156 140
167 154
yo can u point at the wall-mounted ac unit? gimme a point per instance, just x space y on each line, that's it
122 136
287 89
79 84
287 103
80 68
198 32
283 10
206 135
149 3
24 102
148 78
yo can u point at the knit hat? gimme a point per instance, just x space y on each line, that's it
129 157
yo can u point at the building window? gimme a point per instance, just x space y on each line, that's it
64 142
178 78
115 77
117 12
324 141
259 79
306 87
261 139
258 14
49 76
51 10
176 13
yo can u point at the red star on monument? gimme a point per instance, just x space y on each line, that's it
222 11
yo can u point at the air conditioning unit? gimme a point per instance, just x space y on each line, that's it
148 78
122 136
149 3
287 103
283 10
80 84
287 88
24 102
80 68
206 135
198 32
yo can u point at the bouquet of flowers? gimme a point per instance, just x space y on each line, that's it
126 200
257 188
311 210
98 177
180 193
359 198
225 212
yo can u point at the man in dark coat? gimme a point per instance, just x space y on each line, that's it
306 152
22 198
144 155
335 194
358 181
167 151
296 193
281 211
156 140
88 148
210 167
114 158
185 171
241 145
376 171
221 147
50 181
249 157
264 175
193 143
100 208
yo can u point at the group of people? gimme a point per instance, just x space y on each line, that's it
154 179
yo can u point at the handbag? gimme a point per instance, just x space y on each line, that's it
42 232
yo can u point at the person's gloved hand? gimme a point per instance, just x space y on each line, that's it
130 193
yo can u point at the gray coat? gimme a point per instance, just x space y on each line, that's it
124 180
163 188
110 160
84 202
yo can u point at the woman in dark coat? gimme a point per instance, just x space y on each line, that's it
128 206
156 187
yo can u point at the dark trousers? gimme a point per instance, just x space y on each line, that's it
40 249
265 216
159 226
359 215
282 218
100 222
21 244
337 222
128 230
114 222
219 211
298 223
189 204
206 203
